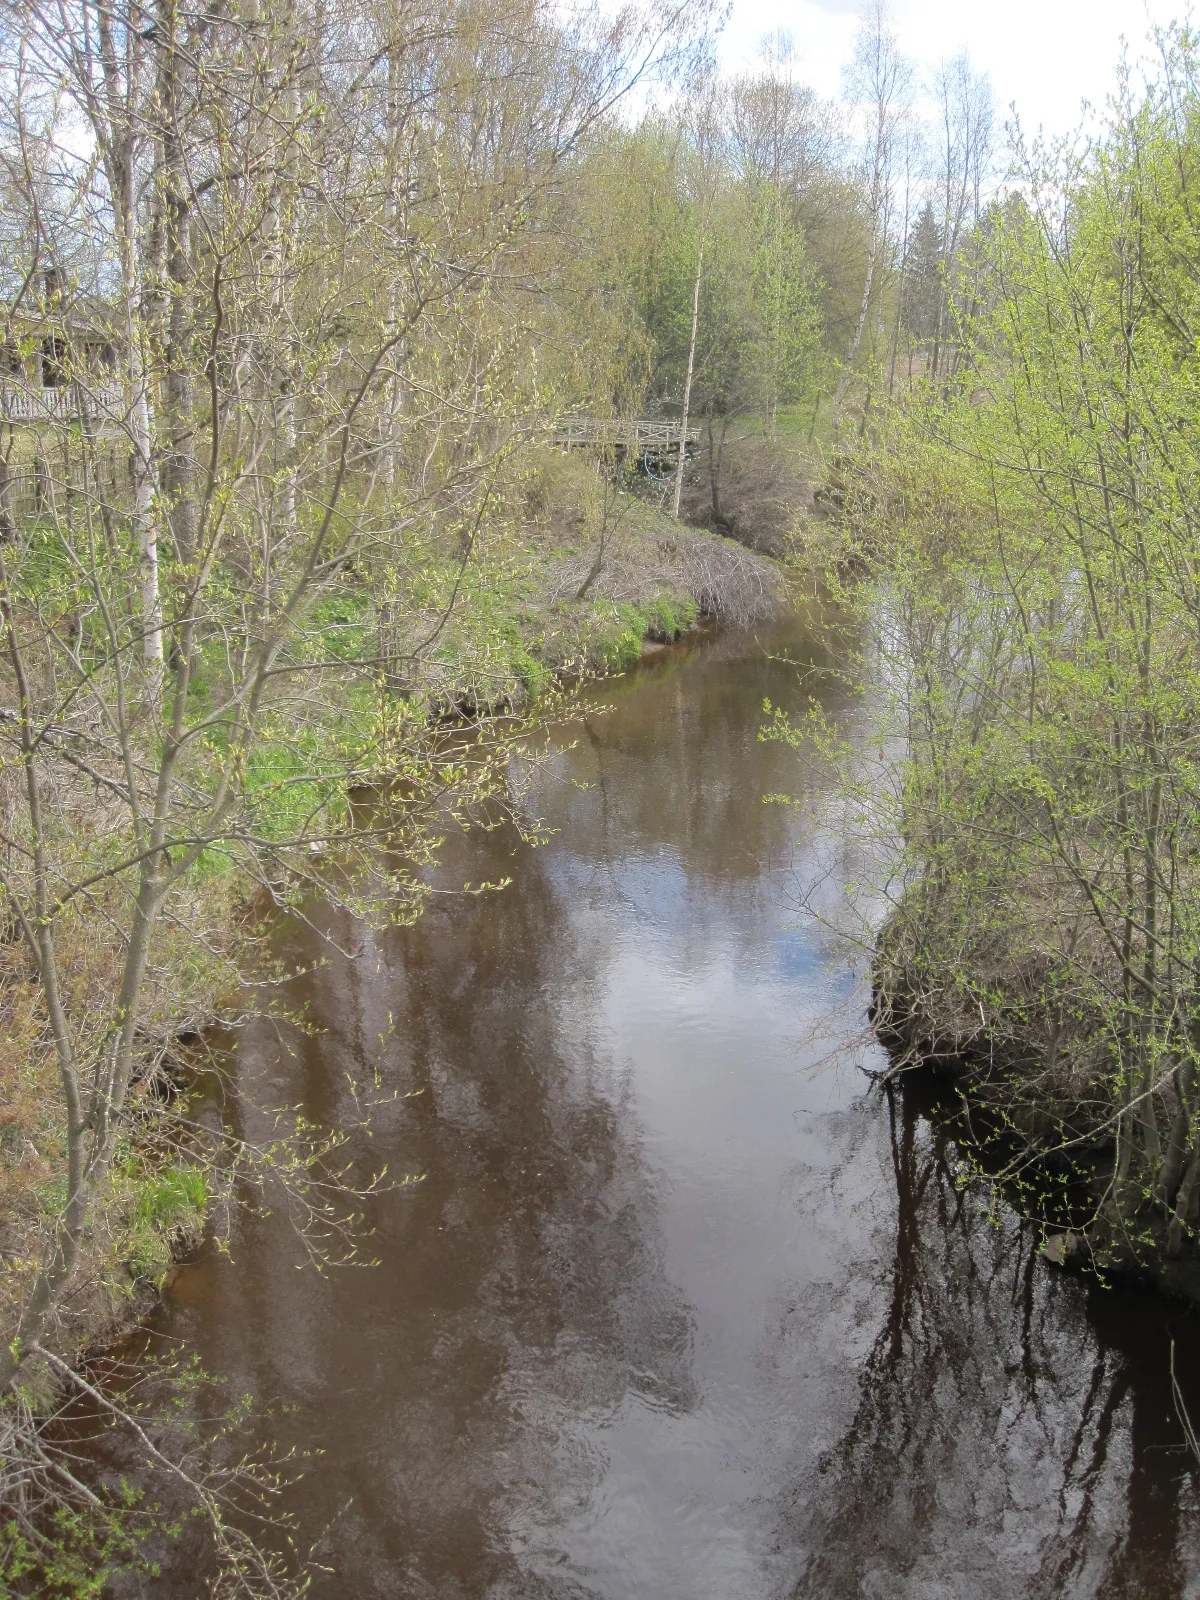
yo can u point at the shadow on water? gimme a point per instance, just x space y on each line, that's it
1015 1431
676 1310
525 1260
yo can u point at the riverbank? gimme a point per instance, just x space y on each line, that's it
1035 1112
1030 796
589 571
678 1291
584 581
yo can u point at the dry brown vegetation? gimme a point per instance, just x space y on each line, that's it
751 487
127 1253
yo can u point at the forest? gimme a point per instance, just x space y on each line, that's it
296 572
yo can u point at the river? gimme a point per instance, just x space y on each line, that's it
681 1307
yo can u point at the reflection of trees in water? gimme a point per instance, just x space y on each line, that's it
459 1391
681 765
1014 1432
520 1297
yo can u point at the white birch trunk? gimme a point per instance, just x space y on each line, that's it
144 526
687 387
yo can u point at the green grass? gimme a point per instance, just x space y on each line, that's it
160 1200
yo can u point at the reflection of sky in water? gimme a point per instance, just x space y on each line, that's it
707 1003
679 1312
797 957
746 928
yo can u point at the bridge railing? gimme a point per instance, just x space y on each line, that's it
636 434
100 404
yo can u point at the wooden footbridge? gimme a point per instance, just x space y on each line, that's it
650 440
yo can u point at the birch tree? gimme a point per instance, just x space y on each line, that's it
880 81
964 129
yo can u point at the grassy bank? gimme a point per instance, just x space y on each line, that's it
586 572
573 586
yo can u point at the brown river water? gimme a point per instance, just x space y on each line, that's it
683 1308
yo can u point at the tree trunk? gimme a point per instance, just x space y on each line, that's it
716 454
1184 1205
687 387
178 470
856 341
1171 1170
144 525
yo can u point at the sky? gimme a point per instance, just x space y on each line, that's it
1047 56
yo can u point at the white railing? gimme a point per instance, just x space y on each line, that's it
641 433
99 404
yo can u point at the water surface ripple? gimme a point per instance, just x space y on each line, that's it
679 1309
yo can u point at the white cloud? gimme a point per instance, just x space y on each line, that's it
1047 56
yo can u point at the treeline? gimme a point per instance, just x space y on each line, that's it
1030 518
759 251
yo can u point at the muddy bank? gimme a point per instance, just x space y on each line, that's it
1044 1135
